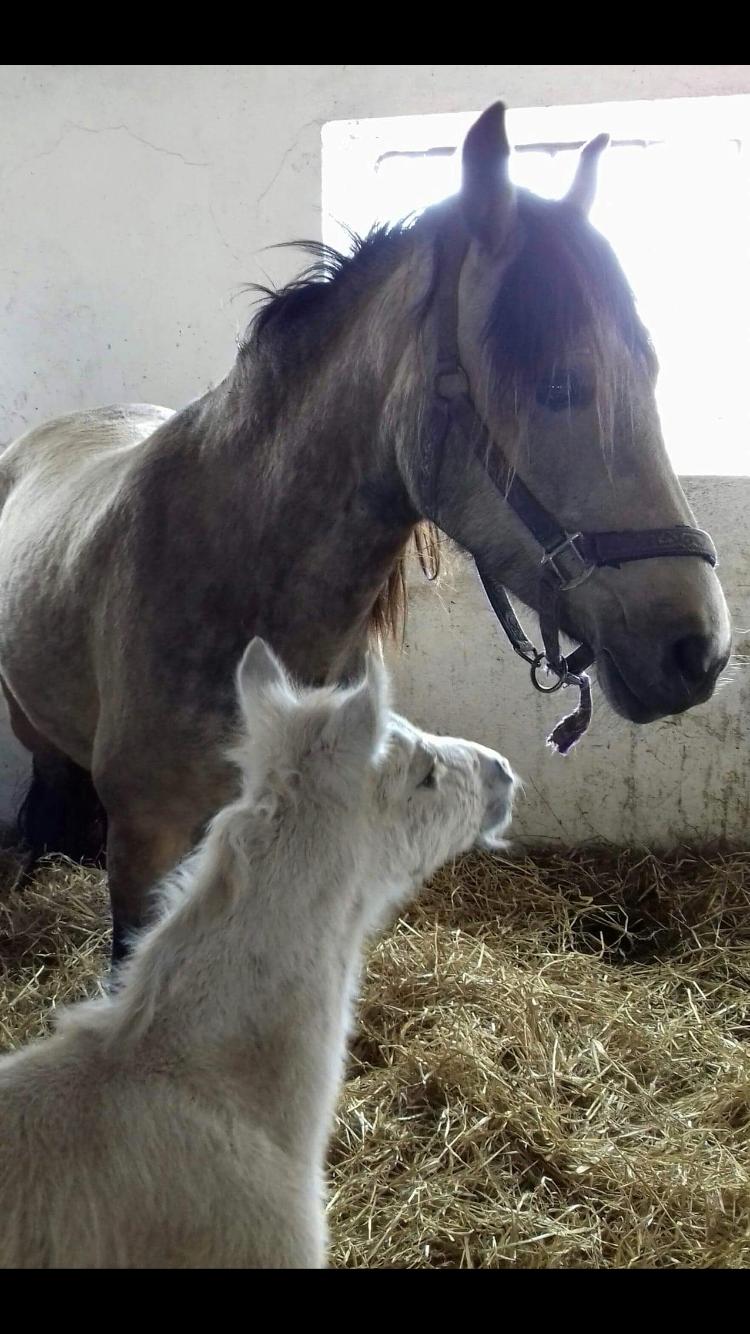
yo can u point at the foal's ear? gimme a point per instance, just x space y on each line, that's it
356 726
488 199
259 669
582 192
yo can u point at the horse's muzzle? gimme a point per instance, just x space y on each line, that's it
679 676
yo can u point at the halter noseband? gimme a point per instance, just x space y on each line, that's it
567 559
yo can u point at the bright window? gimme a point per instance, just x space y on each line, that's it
674 200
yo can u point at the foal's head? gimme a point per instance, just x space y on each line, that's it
334 772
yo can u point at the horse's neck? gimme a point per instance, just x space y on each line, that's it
251 978
313 467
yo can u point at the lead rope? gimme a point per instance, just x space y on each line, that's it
567 671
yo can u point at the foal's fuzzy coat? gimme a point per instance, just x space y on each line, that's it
183 1120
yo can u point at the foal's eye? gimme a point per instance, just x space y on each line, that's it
562 391
429 779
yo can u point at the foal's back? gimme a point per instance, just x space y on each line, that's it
126 1163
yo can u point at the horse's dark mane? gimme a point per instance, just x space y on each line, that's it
565 279
313 291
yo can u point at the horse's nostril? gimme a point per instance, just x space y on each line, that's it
695 658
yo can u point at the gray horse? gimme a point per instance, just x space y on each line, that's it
141 549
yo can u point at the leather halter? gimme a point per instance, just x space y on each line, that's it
567 559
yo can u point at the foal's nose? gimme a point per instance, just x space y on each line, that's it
499 782
496 772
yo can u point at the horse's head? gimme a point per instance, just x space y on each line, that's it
561 373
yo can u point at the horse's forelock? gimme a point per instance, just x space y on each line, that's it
564 286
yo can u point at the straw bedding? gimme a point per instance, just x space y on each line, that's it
551 1066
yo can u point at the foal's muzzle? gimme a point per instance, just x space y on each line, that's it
500 785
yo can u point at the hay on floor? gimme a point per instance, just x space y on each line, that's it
552 1066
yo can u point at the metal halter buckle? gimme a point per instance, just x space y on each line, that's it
552 559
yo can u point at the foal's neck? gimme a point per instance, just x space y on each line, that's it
251 979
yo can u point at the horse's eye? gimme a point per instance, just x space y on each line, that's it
562 391
429 779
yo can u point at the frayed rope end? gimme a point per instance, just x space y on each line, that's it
571 728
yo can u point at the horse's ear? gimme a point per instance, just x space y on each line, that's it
259 667
488 199
582 192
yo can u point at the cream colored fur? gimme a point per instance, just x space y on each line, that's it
183 1120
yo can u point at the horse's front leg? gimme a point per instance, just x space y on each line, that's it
140 850
158 800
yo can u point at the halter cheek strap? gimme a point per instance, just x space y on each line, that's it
567 559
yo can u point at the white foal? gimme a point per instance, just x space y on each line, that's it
183 1121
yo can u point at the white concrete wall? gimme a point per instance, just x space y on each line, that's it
136 201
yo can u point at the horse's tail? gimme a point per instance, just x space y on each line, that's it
61 813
